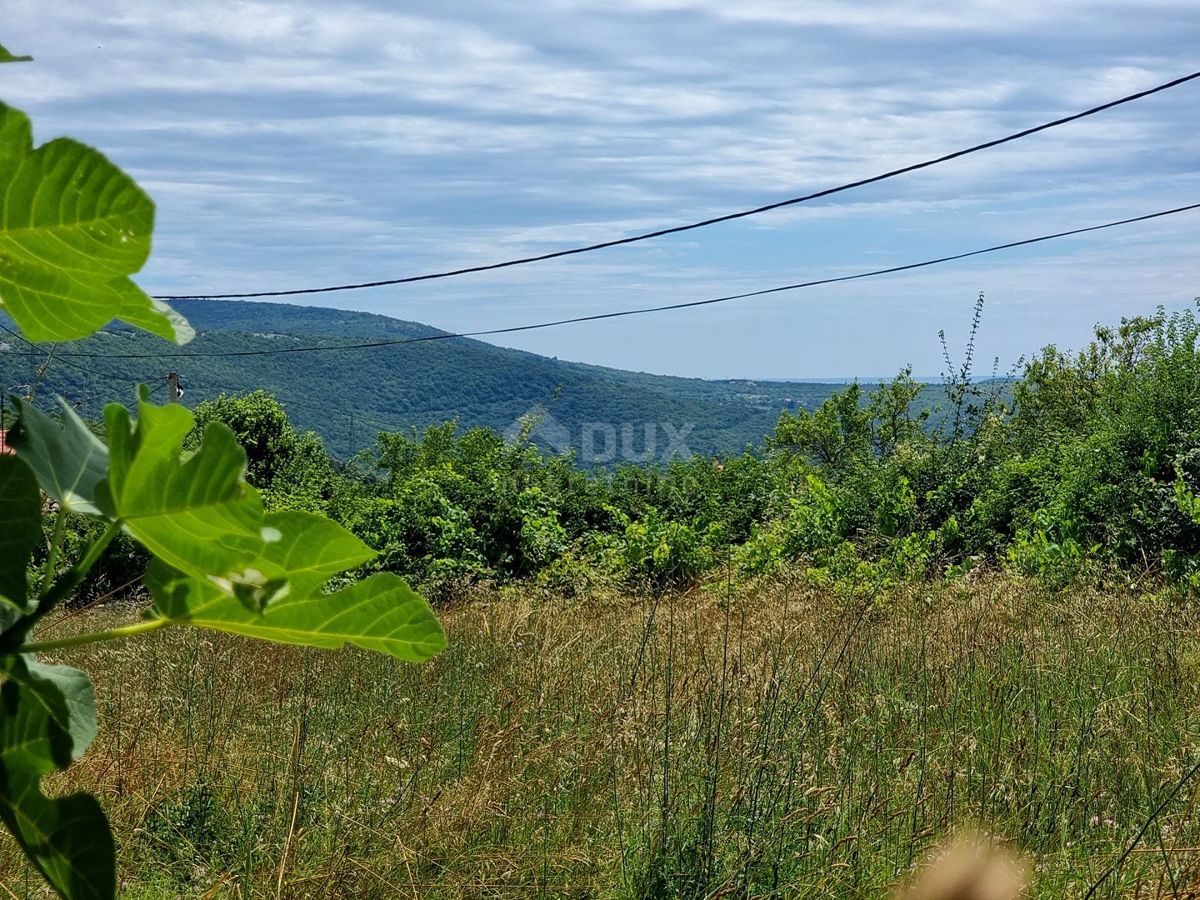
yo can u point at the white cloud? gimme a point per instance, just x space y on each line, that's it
297 142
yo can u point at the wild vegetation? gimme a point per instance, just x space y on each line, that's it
788 672
1084 468
785 739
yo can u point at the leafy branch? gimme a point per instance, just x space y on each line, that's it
75 229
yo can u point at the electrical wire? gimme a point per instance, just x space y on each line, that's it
116 379
703 223
444 336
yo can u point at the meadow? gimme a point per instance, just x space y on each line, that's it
773 739
795 672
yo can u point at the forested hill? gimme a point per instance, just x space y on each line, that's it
349 396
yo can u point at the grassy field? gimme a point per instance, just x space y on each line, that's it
771 742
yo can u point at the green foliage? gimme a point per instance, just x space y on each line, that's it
21 513
1046 549
1182 568
194 512
664 553
836 436
1070 472
542 538
289 467
67 458
814 522
75 228
49 719
117 572
1108 433
1089 463
453 508
282 599
1081 470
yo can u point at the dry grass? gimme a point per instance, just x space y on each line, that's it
776 741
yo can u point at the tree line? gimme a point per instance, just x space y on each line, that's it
1084 467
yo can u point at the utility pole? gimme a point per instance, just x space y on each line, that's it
174 391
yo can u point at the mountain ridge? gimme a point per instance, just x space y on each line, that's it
348 396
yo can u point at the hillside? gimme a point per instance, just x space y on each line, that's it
349 396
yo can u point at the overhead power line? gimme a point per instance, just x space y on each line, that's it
703 223
124 381
645 309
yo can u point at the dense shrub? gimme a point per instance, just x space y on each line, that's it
291 468
1086 462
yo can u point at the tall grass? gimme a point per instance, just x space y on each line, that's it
781 740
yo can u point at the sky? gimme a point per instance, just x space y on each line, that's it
305 143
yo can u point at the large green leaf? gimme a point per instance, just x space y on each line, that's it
47 720
21 515
380 613
142 311
310 550
69 460
73 227
59 724
193 511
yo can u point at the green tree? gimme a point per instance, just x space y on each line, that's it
836 435
290 467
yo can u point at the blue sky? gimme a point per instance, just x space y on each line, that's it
290 144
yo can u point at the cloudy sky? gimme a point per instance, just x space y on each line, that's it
293 144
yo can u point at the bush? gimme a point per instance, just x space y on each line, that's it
1075 467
